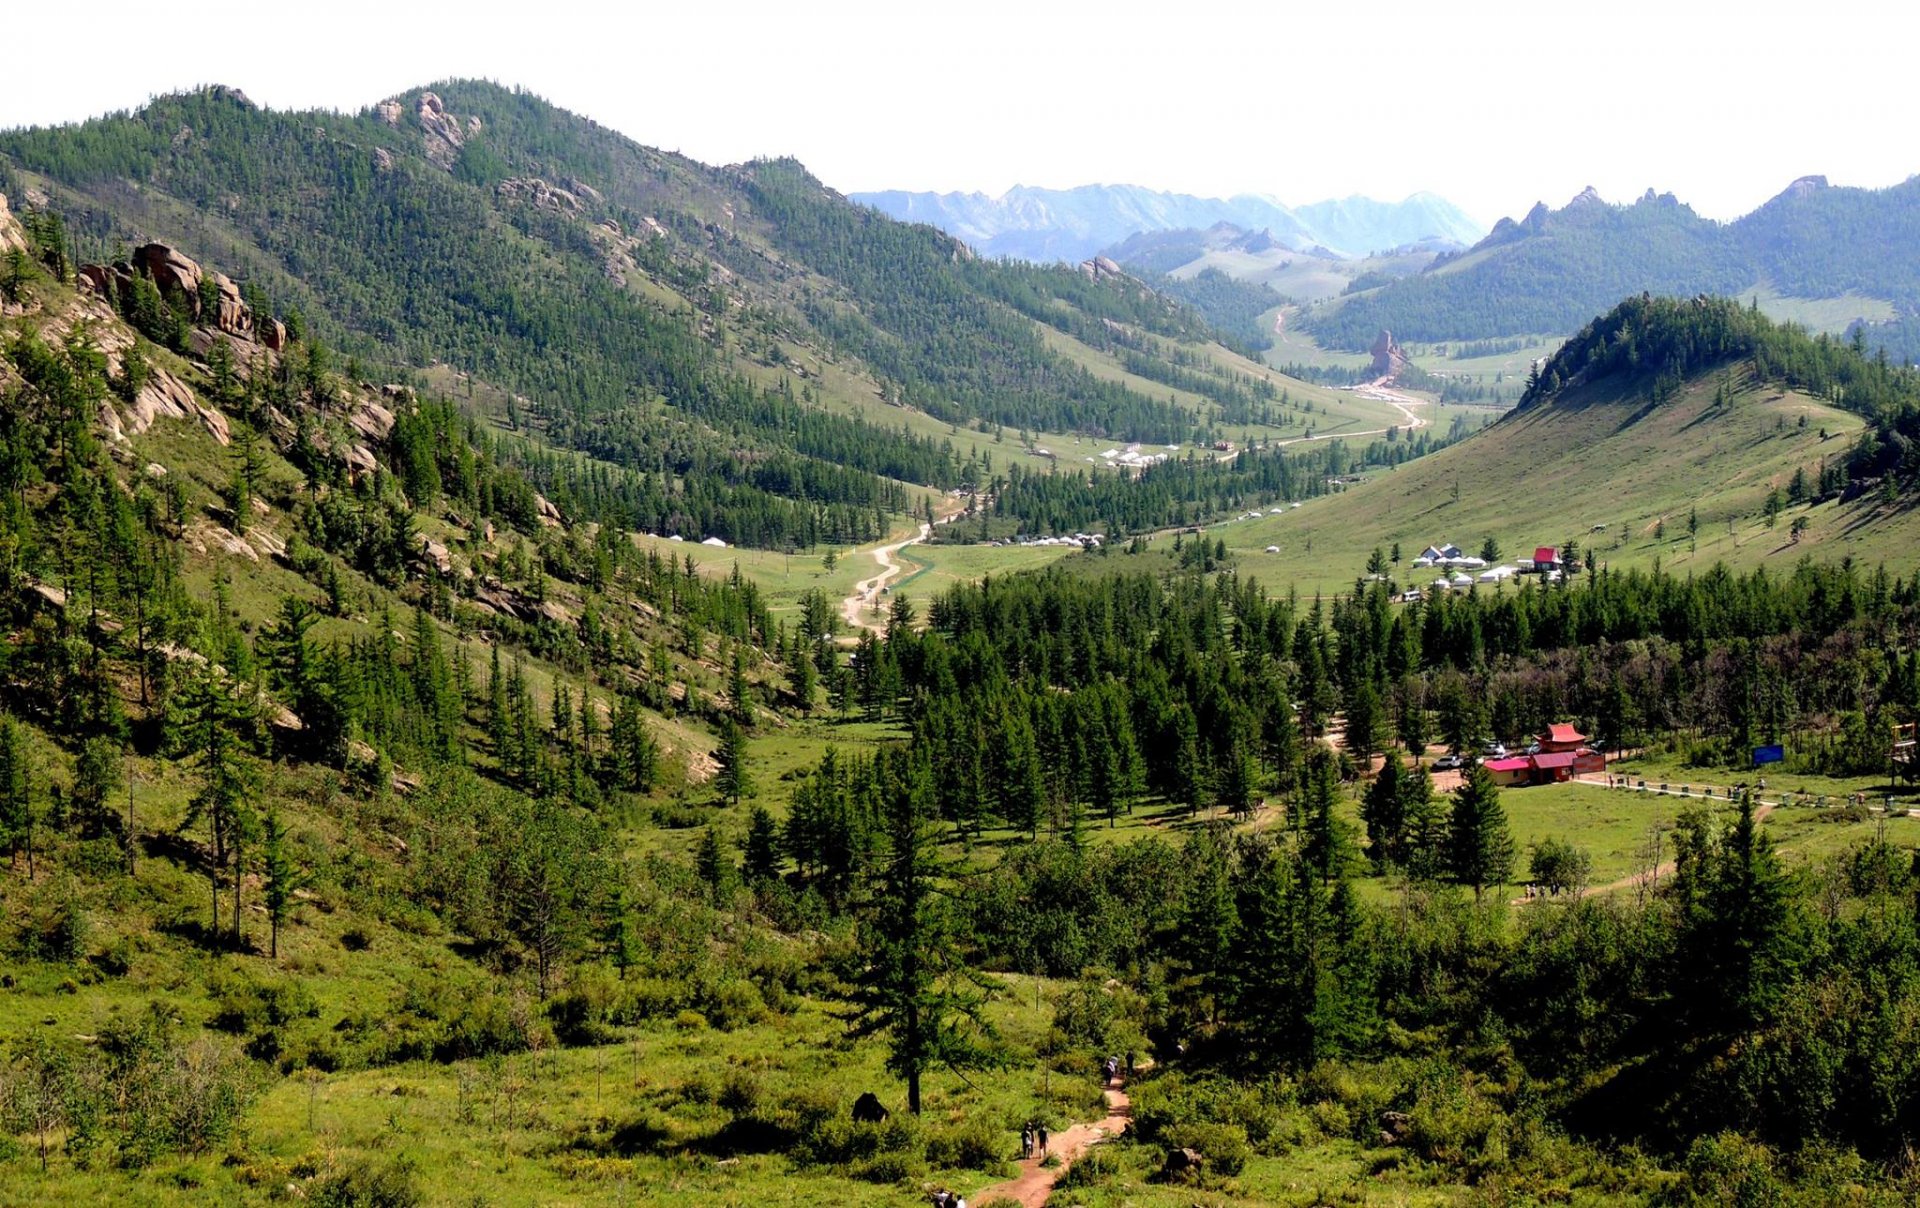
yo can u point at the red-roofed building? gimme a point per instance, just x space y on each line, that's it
1546 558
1561 757
1562 736
1551 766
1506 773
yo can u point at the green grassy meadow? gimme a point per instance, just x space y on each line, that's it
1621 482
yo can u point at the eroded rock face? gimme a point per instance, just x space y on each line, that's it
171 270
371 420
104 279
445 134
536 192
1389 359
234 316
163 395
435 554
11 236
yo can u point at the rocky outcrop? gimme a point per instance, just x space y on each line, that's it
163 395
533 191
371 420
231 314
1389 359
436 555
1101 269
444 132
11 236
179 278
389 111
166 395
170 270
105 279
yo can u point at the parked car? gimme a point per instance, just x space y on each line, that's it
1533 748
1449 763
1493 750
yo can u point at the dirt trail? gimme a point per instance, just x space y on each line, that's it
1034 1183
867 591
1380 393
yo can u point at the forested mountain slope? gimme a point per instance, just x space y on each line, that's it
695 325
1852 248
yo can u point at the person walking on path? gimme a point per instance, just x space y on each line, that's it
1041 1139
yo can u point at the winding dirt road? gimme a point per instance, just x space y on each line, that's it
1379 392
866 593
1031 1187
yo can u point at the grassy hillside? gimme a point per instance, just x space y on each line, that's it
1602 465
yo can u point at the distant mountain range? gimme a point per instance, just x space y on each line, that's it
1820 254
1045 225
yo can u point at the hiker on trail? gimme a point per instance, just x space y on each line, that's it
1040 1138
1026 1141
1130 1062
1111 1069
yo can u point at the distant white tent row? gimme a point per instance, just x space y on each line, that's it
1133 457
1448 555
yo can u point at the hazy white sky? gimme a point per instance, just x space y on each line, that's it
1494 105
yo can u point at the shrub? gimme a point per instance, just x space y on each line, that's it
1730 1169
645 1134
364 1184
1093 1168
1224 1145
740 1092
971 1144
1453 1125
644 998
733 1003
245 1004
581 1012
889 1166
55 926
